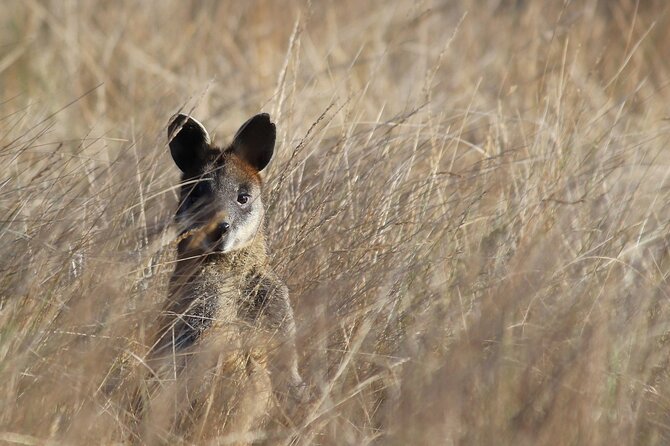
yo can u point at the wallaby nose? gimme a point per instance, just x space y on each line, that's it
220 230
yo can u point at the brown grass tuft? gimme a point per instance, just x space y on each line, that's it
469 205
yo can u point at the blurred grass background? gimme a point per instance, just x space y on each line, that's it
469 204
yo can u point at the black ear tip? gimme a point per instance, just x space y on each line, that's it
175 122
263 120
255 140
188 140
262 124
258 126
177 116
186 127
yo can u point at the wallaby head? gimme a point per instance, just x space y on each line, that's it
220 204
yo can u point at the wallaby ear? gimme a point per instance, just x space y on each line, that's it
254 142
189 142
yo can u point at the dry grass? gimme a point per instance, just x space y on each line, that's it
469 205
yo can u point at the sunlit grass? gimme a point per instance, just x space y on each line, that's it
469 205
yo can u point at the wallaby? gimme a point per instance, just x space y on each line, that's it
225 304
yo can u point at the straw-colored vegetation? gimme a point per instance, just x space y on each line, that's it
469 204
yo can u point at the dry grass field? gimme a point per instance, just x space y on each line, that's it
470 205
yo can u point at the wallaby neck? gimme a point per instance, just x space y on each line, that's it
252 256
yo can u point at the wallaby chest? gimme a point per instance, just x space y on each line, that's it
221 294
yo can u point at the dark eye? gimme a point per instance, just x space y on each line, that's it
243 198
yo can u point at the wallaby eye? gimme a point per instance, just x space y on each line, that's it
243 198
